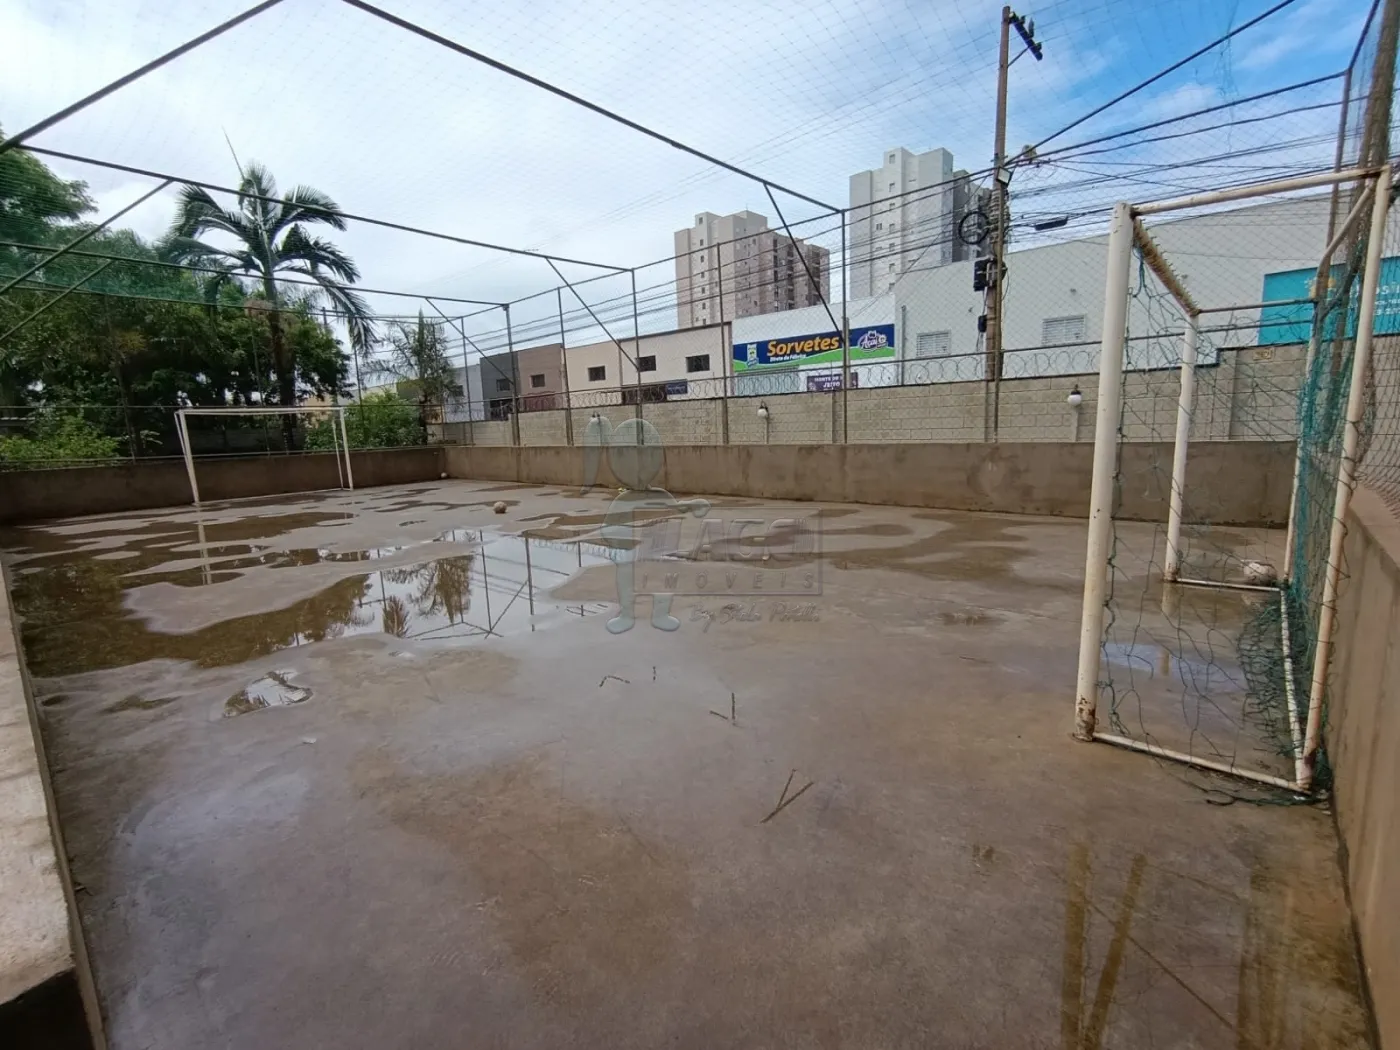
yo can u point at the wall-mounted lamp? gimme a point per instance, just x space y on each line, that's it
595 417
763 411
1075 398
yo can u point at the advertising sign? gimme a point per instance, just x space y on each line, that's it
827 382
868 343
1293 324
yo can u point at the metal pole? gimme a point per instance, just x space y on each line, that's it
183 429
48 260
52 302
529 576
564 367
636 352
345 440
1322 287
1258 189
1346 476
1111 347
1340 157
999 180
1184 405
726 340
134 75
514 380
845 343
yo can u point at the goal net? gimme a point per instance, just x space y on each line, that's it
322 427
1236 339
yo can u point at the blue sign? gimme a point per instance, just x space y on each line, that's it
1293 324
868 343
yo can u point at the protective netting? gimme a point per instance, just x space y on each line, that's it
1195 669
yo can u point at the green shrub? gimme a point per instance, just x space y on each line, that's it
59 437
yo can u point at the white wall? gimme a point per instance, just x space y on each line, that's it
1220 257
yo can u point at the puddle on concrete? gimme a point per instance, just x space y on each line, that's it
273 689
73 618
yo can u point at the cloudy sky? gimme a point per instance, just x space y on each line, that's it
804 92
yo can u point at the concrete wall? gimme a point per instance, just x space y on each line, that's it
46 993
1251 394
30 495
1242 483
1363 743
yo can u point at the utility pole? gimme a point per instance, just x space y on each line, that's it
1001 219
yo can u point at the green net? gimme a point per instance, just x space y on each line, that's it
1218 667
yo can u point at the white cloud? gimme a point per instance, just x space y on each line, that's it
804 91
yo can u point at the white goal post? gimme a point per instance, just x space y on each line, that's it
1126 234
342 442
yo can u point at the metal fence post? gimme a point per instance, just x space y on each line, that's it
726 349
845 341
564 368
636 352
514 380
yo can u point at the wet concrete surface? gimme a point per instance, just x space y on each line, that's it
328 779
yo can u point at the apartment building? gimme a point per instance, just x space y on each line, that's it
730 266
905 213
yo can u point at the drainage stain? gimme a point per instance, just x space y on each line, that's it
137 702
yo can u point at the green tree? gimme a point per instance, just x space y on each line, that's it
382 420
33 200
417 358
57 438
268 237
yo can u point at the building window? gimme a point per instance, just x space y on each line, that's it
879 225
648 363
933 344
697 363
597 373
537 380
892 157
1054 330
502 386
892 187
891 267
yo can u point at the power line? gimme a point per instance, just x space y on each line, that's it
1165 72
478 56
129 169
136 74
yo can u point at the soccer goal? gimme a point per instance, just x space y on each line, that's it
1224 396
340 443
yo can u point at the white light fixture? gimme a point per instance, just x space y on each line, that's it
1075 399
763 411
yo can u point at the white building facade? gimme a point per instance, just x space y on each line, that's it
1055 295
905 214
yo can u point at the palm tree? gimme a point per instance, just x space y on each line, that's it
269 238
418 358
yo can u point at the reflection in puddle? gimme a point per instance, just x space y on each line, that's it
1202 672
74 617
273 689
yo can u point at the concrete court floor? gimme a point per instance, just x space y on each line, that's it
472 833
